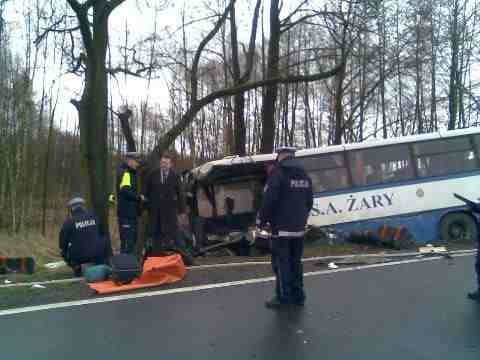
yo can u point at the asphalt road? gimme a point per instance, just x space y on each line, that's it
409 311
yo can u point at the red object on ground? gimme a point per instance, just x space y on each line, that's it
158 270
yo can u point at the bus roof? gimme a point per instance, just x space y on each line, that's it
204 170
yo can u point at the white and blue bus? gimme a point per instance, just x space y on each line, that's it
405 182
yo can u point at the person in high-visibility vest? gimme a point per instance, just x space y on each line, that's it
128 202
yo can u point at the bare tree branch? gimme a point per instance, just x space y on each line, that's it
189 116
191 22
137 73
113 4
292 79
251 47
297 9
82 17
201 46
287 26
53 27
75 5
75 103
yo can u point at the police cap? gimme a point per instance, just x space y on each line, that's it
76 202
134 156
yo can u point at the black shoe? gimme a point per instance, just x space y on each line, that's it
474 295
275 304
186 257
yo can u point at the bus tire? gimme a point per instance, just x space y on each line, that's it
458 227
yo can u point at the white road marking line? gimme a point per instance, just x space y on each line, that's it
203 287
252 263
47 282
331 257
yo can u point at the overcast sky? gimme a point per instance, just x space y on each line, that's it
139 16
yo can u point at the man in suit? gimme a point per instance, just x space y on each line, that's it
163 189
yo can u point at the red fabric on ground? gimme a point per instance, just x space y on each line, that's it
157 271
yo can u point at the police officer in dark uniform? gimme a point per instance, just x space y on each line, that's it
474 208
128 202
287 202
80 240
476 295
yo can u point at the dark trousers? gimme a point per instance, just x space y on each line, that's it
165 231
477 266
287 265
76 264
128 234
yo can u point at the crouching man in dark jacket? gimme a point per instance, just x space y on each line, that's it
287 202
80 240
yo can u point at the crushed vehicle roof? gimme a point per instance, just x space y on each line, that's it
236 166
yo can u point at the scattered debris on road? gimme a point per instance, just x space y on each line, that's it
55 265
38 286
429 248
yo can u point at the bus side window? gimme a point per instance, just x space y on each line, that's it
327 171
375 174
329 179
358 169
377 166
444 156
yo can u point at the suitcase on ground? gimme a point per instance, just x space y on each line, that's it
125 268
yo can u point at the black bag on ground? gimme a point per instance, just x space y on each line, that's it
125 268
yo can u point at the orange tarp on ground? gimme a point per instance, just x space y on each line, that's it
156 271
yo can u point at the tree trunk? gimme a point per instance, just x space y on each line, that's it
93 117
381 29
399 72
453 87
433 95
338 124
239 123
240 131
269 99
46 172
127 132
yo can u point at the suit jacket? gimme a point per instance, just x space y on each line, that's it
166 196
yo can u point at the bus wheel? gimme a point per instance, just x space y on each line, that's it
458 227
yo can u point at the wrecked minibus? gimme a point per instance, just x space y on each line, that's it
395 191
